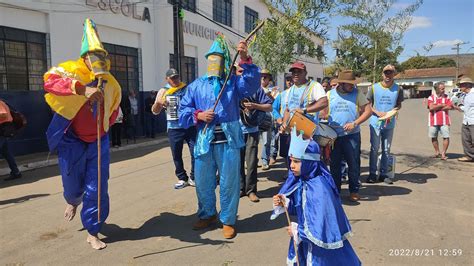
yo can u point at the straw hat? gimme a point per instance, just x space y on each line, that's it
346 76
464 80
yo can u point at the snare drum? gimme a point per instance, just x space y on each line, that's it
325 135
302 123
172 109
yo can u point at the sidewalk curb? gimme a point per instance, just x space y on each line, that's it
54 159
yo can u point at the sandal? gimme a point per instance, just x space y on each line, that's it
465 159
436 156
444 158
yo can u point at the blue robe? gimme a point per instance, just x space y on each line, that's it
78 166
225 157
323 227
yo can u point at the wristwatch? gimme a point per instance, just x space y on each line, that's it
305 111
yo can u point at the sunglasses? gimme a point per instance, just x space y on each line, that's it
388 72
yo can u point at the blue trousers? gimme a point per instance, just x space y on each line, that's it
347 147
78 164
227 160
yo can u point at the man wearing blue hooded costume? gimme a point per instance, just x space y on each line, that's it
310 193
218 147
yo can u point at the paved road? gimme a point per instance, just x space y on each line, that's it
429 207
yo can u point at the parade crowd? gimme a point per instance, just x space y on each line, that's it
314 127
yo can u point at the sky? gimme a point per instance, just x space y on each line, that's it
441 22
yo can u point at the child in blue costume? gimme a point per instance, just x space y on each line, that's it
310 193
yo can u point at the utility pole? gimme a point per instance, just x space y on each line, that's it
178 38
457 48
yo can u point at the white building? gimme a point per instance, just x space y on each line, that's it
34 35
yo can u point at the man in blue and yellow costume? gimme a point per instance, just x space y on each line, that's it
73 94
218 148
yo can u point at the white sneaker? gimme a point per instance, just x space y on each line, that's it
191 182
181 184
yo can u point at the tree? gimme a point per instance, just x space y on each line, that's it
372 39
287 34
418 62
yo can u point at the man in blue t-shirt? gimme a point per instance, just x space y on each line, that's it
347 109
384 96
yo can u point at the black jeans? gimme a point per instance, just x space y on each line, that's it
117 134
248 154
177 137
150 125
7 155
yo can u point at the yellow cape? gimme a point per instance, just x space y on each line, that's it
68 106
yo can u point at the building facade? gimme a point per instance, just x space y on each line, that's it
35 35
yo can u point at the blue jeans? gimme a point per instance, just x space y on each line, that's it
347 147
7 155
383 136
269 139
177 137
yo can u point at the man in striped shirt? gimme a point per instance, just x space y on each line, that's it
439 104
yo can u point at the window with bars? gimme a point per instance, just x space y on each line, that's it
124 65
22 59
222 11
189 5
189 71
251 18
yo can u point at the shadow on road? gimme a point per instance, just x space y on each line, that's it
417 178
164 225
22 199
50 171
374 192
260 222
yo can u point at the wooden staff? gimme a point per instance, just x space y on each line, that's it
295 246
99 124
230 72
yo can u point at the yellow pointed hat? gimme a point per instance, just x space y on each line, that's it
90 39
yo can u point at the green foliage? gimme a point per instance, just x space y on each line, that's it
372 35
418 62
287 34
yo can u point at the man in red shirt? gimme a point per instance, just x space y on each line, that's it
439 104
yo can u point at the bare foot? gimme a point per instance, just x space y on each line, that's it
95 242
70 212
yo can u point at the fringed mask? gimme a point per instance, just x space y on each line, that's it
215 65
98 62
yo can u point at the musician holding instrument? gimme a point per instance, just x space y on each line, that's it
74 93
347 109
220 137
252 108
305 97
169 98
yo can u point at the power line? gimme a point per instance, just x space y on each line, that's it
218 24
